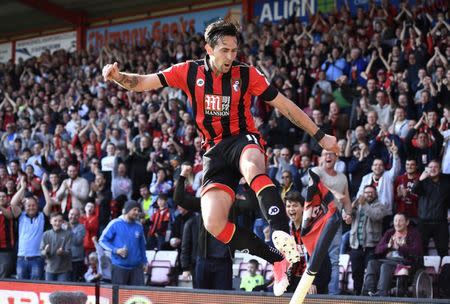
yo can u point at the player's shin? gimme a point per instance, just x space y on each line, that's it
270 203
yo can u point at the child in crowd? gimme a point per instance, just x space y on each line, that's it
55 248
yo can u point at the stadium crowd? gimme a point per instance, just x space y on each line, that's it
76 150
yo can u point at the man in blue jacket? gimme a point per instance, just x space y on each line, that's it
124 237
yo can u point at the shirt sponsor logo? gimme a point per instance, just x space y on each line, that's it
217 105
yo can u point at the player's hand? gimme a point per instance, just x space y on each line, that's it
110 72
186 170
329 143
347 218
186 275
312 289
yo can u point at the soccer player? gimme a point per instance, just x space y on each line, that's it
219 90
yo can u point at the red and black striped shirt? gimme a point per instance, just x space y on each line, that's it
221 104
6 232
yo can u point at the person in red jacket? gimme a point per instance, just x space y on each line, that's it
159 222
90 222
405 199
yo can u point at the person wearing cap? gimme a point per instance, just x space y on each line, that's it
124 237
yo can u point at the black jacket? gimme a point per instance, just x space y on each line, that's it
189 243
434 198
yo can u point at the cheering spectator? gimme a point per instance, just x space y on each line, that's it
73 192
365 233
8 215
433 190
78 232
401 241
159 223
405 200
423 149
30 264
56 248
90 222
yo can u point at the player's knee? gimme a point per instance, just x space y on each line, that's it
213 225
250 170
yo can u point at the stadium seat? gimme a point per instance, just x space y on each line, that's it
344 260
268 272
245 257
150 254
432 265
158 272
445 260
349 278
167 255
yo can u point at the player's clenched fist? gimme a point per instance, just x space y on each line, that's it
110 72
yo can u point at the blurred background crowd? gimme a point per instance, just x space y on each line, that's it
379 81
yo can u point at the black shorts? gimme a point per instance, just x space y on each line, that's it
221 162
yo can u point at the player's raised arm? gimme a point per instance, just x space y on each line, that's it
131 82
291 111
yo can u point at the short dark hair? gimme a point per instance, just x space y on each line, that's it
218 29
411 158
254 262
403 214
55 214
370 186
295 196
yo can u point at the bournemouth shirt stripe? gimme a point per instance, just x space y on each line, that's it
226 91
207 122
241 108
191 79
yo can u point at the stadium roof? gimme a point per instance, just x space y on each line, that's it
22 18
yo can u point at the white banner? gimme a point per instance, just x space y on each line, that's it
28 48
5 52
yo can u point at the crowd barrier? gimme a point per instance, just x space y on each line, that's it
38 292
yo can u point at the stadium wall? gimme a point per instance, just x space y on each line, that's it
38 292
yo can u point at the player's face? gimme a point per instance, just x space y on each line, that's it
223 54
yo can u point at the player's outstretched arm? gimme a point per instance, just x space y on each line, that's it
291 111
131 82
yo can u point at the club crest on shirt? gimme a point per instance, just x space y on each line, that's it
217 105
200 82
236 84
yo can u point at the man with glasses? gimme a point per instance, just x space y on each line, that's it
283 163
366 231
287 183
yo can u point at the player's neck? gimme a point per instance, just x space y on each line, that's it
213 67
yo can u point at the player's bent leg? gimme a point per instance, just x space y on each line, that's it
252 167
215 205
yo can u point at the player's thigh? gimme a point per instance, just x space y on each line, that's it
248 155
